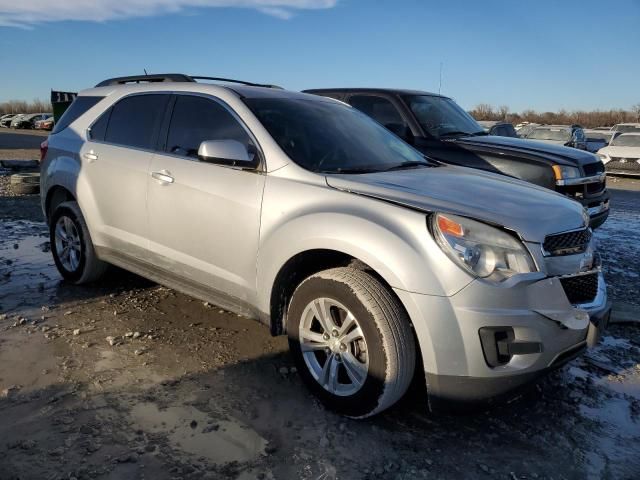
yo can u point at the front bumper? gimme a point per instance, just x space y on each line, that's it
546 329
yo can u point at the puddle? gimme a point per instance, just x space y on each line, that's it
220 442
27 271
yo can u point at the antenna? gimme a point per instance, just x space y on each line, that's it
440 85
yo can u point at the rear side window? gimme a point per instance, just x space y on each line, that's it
196 119
134 121
77 108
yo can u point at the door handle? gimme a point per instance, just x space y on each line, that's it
163 176
92 157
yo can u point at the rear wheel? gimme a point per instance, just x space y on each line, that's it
352 341
71 245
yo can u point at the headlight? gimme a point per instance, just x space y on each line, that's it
565 173
604 157
482 250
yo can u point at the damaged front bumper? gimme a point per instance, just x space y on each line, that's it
488 340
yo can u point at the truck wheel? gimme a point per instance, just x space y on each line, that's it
71 245
351 340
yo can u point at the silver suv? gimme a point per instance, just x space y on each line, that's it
301 212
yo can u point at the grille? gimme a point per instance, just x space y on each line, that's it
593 169
568 243
630 165
581 288
595 187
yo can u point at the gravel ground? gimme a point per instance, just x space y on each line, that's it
129 379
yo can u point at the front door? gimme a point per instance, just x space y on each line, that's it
204 218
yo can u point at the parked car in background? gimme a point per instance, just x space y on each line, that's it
28 120
526 129
597 139
627 128
6 120
439 128
45 124
304 213
622 156
566 135
498 128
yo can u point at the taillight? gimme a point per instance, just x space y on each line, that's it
44 146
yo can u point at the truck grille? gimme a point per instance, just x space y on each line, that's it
629 164
580 288
593 169
568 243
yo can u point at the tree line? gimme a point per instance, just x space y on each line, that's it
596 118
21 106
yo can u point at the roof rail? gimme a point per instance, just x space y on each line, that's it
230 80
174 77
158 77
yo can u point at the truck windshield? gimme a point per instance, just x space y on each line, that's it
329 137
555 134
626 140
441 117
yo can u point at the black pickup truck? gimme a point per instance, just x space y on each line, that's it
441 129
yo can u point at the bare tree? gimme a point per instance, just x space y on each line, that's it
20 106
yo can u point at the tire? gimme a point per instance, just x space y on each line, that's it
381 361
25 188
87 267
22 178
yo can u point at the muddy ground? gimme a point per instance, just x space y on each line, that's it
131 380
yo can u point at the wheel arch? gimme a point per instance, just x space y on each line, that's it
56 195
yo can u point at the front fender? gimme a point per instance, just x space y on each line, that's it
392 240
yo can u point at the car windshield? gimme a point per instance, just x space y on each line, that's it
556 134
627 128
626 141
329 137
442 117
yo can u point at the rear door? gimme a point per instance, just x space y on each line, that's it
115 164
204 218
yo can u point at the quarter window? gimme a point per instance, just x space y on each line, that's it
135 121
99 128
197 119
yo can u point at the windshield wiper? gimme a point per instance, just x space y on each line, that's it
412 164
349 170
466 134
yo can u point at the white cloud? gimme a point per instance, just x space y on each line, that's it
28 12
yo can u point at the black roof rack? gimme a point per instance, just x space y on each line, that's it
157 77
174 77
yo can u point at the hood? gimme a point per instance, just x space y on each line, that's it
624 152
531 211
556 153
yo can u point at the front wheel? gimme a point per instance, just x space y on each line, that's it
352 341
72 247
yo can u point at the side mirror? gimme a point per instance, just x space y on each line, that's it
225 152
401 130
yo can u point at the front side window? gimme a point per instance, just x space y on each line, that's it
441 117
329 137
197 119
378 108
135 121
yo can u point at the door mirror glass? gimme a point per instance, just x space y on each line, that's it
225 152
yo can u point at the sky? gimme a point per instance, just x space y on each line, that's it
545 55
